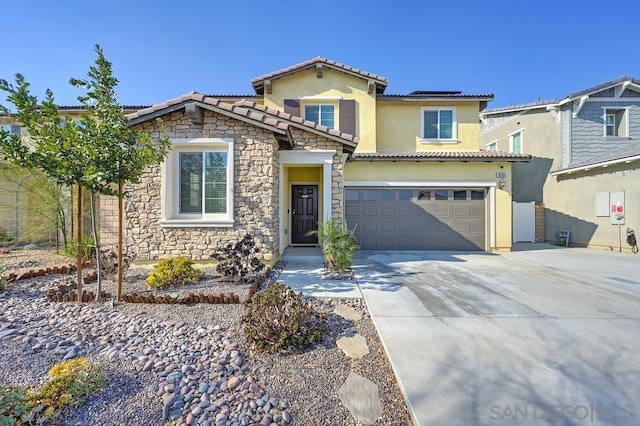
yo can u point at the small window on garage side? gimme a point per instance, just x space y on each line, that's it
351 194
388 194
441 194
369 195
424 194
460 194
405 195
477 194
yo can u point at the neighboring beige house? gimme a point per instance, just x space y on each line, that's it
586 160
319 140
25 210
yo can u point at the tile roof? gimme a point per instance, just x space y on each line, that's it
438 95
243 110
464 156
616 156
258 82
603 86
528 105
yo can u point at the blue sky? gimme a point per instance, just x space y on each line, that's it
519 50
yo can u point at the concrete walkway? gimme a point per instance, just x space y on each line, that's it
305 273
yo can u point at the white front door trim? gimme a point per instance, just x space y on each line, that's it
324 157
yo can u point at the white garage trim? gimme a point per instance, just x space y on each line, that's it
417 184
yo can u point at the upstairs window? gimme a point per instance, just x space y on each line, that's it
322 114
439 124
493 146
615 122
515 142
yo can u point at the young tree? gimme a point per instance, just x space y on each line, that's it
96 153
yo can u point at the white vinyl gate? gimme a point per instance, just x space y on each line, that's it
524 222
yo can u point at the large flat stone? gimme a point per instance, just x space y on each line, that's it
361 398
353 345
347 313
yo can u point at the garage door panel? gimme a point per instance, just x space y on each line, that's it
388 210
397 223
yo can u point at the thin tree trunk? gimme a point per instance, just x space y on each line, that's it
120 240
96 238
79 254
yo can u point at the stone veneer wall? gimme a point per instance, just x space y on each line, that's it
311 141
255 199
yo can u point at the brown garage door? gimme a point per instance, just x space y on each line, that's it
417 219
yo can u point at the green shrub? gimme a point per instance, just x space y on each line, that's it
337 243
87 248
6 238
3 279
239 262
172 272
278 318
71 382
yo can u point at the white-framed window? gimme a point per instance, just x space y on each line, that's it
516 142
438 123
616 122
321 113
493 146
198 183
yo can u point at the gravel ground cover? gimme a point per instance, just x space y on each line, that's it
182 364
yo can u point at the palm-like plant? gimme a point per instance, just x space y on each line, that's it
337 243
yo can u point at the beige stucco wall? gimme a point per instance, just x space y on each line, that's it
333 85
540 138
574 205
444 172
399 126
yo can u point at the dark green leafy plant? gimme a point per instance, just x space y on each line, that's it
109 261
277 318
239 262
172 272
338 245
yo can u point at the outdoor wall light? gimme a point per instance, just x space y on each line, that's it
502 183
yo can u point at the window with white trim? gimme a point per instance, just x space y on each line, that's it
615 122
321 113
198 182
438 123
515 142
493 146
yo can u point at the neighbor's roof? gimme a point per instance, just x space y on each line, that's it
603 86
246 111
438 95
521 107
463 156
258 82
624 155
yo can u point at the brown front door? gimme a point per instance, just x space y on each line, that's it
304 213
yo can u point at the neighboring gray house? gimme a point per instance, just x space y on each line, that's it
586 160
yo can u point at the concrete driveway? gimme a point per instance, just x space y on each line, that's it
547 336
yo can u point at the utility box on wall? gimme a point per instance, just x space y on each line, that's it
617 210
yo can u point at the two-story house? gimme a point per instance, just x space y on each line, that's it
321 140
585 167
